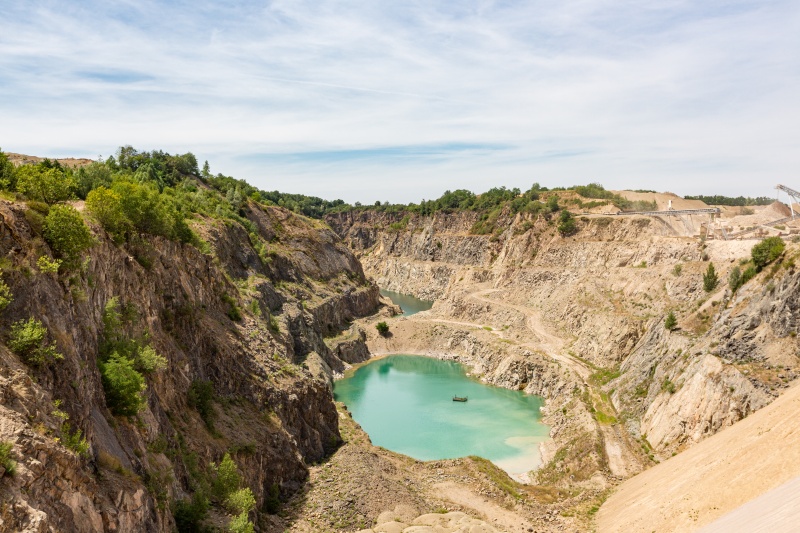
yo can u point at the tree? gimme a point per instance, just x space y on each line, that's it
66 233
105 206
767 251
566 223
48 185
5 295
552 203
735 279
28 340
8 178
710 279
383 328
122 384
670 322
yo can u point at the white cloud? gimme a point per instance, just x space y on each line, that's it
686 96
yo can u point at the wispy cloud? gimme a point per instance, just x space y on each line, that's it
402 100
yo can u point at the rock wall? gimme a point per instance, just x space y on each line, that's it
604 291
270 413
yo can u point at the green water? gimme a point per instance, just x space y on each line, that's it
408 304
405 403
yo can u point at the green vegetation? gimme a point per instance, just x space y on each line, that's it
200 396
668 386
710 278
566 224
8 178
677 269
28 339
6 297
66 234
124 360
190 513
767 251
226 490
727 200
6 462
74 440
47 265
383 328
671 321
123 385
43 183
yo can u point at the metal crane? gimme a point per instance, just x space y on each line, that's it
795 195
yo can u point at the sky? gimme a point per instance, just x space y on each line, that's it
400 101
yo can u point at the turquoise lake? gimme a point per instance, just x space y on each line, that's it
405 404
407 303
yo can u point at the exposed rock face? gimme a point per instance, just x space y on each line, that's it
269 412
604 291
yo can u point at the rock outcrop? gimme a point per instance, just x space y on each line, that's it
242 323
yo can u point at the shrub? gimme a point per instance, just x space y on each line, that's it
148 360
8 177
226 478
189 514
66 233
28 340
48 185
735 279
105 206
200 396
5 295
671 321
6 462
75 441
566 223
677 269
233 309
383 328
47 265
123 385
241 524
767 251
272 500
241 501
710 278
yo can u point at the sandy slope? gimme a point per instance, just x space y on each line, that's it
714 477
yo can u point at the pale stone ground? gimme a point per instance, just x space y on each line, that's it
717 476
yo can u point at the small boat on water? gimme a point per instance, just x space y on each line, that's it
459 398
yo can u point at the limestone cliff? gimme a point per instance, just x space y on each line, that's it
595 301
228 317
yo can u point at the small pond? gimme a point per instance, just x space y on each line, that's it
407 303
405 404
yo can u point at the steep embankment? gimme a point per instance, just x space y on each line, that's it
580 320
237 333
715 477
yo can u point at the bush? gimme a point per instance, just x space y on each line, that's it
677 269
735 279
566 223
383 328
272 500
710 278
105 206
48 185
189 514
241 524
66 233
226 479
123 385
47 265
148 360
6 297
75 441
200 396
28 340
241 501
8 177
6 462
670 322
767 251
